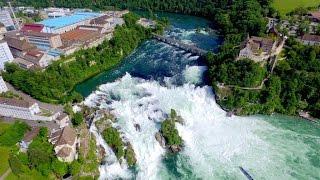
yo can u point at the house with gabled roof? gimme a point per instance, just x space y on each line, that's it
64 141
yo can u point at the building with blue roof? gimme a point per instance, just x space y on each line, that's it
67 23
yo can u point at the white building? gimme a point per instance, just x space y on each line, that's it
57 12
3 86
6 19
21 109
64 141
63 120
5 54
147 23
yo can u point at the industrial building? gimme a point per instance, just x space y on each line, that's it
67 23
43 41
6 19
5 54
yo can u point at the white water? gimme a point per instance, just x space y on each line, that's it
193 74
214 145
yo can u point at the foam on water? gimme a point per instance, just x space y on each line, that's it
193 74
214 145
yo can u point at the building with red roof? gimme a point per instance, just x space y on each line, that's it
32 27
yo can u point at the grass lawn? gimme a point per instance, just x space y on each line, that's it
3 126
4 155
11 176
285 6
34 175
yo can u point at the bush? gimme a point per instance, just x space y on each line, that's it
40 153
130 156
113 139
16 165
75 168
59 168
170 133
77 119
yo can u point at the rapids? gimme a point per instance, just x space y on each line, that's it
156 78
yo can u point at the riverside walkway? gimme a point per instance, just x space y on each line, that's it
176 43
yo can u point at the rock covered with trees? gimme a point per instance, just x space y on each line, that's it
168 135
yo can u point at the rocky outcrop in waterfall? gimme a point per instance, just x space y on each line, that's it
113 138
168 136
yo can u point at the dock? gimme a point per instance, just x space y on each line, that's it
176 43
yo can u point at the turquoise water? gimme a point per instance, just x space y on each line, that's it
157 77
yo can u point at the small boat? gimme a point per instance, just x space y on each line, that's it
249 177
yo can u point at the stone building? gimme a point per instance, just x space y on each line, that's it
260 49
312 40
64 141
43 41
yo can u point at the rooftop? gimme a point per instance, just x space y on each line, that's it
23 62
100 20
62 116
31 134
259 43
64 152
79 35
32 27
15 102
309 37
21 45
66 136
38 34
60 22
315 14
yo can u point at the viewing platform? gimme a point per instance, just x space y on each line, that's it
176 43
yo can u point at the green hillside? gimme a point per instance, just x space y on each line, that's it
285 6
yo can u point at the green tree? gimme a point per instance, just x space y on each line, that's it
59 168
113 139
75 168
16 165
77 119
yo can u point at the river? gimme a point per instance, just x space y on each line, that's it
156 78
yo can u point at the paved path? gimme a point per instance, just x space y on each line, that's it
5 174
49 124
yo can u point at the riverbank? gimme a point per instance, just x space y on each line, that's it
290 89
